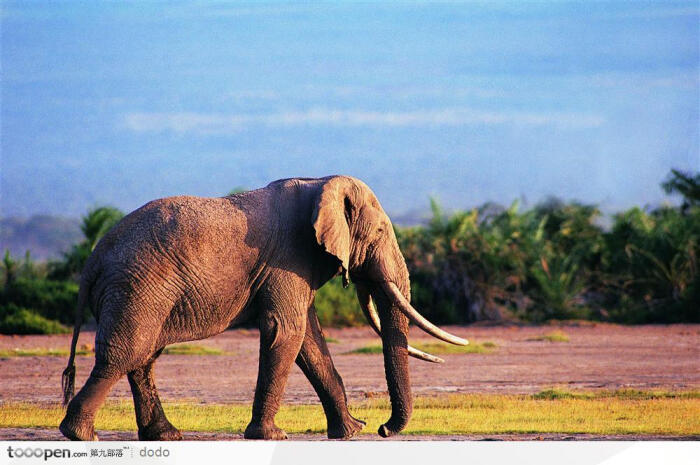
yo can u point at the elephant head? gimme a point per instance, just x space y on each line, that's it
350 225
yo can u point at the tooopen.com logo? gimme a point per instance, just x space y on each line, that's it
38 452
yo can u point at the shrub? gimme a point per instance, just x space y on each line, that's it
492 261
17 320
555 261
55 300
652 271
337 306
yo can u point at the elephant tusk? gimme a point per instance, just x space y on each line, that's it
426 357
395 294
373 318
368 309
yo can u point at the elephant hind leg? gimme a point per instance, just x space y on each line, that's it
150 418
315 361
79 422
116 354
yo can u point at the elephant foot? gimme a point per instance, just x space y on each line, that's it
269 432
160 431
78 429
346 429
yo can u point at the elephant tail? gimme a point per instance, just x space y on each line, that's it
68 378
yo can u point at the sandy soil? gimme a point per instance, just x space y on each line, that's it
598 356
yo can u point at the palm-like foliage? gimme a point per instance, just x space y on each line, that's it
95 224
9 268
653 271
481 263
556 261
685 184
558 289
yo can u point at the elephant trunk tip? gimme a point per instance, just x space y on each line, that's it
396 423
385 432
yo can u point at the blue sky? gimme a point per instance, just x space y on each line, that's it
112 103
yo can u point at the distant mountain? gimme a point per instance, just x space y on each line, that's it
43 235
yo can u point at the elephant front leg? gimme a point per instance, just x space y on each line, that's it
280 340
315 361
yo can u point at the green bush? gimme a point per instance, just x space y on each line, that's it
55 300
652 269
17 320
555 261
488 262
337 306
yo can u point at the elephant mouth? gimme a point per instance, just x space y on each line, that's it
394 294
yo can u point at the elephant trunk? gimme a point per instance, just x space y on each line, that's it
372 316
395 346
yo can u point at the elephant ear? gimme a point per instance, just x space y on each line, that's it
330 219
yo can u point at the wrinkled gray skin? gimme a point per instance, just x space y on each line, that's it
186 268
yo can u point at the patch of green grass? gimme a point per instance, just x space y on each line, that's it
553 394
436 348
368 349
331 340
440 348
605 412
553 336
191 349
41 352
626 394
179 349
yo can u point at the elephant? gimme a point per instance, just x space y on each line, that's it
186 268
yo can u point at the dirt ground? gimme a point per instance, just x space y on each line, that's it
599 356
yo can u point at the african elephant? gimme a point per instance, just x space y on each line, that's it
186 268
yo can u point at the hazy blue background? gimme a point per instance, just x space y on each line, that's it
120 104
